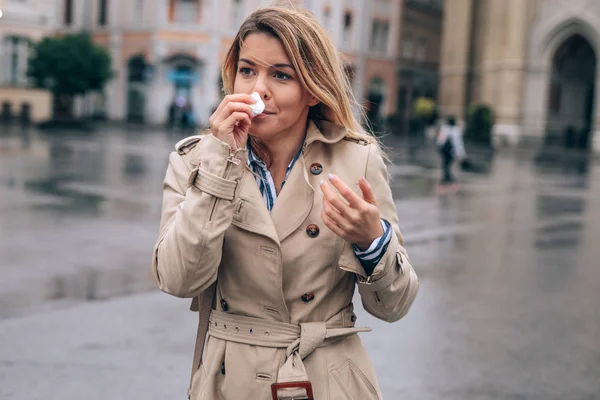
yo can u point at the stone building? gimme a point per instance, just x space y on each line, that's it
165 50
533 61
21 24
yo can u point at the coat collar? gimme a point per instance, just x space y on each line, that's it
324 131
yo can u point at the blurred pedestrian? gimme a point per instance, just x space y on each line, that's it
187 118
450 147
171 115
261 219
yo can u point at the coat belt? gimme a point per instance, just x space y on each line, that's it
299 340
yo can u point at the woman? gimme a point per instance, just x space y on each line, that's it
268 209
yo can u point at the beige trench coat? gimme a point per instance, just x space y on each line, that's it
215 225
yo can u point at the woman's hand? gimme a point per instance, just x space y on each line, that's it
231 121
354 219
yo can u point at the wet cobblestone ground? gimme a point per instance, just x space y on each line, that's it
509 270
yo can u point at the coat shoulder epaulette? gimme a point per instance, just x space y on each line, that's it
185 145
362 142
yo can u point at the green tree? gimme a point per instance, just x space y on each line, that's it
68 66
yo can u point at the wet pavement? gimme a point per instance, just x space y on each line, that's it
509 270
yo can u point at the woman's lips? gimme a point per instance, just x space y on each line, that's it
264 114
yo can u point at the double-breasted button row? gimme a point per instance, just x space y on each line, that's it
313 230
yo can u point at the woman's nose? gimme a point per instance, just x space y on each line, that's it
261 88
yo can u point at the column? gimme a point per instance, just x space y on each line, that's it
118 86
509 107
3 58
494 33
162 13
455 53
58 20
211 69
363 26
395 29
115 13
337 22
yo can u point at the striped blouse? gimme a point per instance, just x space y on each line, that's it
368 258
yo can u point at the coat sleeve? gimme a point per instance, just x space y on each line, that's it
391 289
197 209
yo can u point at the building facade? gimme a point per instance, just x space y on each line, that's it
419 55
534 62
172 50
21 24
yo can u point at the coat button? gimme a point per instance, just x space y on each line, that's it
353 318
316 169
224 305
223 368
312 231
308 297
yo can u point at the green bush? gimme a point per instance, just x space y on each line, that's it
480 122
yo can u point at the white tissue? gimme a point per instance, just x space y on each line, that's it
257 107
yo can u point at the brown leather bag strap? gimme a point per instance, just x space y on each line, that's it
203 304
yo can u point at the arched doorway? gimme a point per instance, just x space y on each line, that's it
184 76
570 117
137 69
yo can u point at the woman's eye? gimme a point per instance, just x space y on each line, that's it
245 71
281 76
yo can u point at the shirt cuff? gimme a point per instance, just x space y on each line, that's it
371 256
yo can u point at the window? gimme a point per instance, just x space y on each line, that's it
14 61
17 51
102 12
68 12
379 36
374 33
384 32
237 14
347 35
186 11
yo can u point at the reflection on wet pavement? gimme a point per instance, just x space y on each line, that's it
509 266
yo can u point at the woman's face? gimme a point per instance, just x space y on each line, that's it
265 68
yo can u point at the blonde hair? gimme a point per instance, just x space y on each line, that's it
318 65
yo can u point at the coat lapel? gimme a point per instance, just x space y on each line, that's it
252 213
294 202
